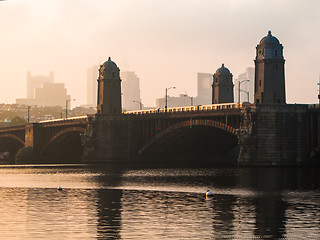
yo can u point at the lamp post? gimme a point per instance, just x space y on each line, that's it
140 104
319 91
247 92
167 89
29 107
191 98
246 80
67 106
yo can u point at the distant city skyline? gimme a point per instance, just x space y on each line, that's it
164 44
42 91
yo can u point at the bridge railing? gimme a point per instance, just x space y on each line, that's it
210 107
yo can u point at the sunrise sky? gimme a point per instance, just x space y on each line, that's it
166 42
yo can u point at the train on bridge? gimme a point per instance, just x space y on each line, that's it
209 107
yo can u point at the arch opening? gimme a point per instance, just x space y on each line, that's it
9 144
195 144
65 147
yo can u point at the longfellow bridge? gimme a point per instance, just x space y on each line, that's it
255 134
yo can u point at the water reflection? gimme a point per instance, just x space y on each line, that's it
117 203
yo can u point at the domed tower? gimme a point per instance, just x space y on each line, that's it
269 71
222 86
109 89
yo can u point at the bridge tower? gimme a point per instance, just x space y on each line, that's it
269 72
222 86
109 89
109 131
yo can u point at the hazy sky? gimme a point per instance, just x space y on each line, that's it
166 42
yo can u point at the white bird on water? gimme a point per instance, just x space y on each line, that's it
209 193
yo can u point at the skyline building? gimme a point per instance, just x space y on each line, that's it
42 91
92 85
182 100
204 88
36 81
52 94
131 99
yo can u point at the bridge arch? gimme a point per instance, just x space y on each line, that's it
192 137
64 146
11 136
10 143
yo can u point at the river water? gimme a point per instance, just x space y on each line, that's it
108 202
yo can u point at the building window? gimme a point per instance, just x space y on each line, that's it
259 83
276 53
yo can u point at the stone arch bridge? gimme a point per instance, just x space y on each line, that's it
51 141
266 134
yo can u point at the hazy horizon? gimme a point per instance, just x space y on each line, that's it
164 42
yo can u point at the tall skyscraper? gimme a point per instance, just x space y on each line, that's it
92 85
222 87
204 89
36 81
246 87
269 71
131 91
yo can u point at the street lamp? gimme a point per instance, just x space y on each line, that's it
29 107
167 89
140 104
319 91
67 106
191 98
247 92
246 80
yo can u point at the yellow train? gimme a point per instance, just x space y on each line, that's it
197 108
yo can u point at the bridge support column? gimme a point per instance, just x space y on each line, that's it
113 139
274 135
27 154
29 135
